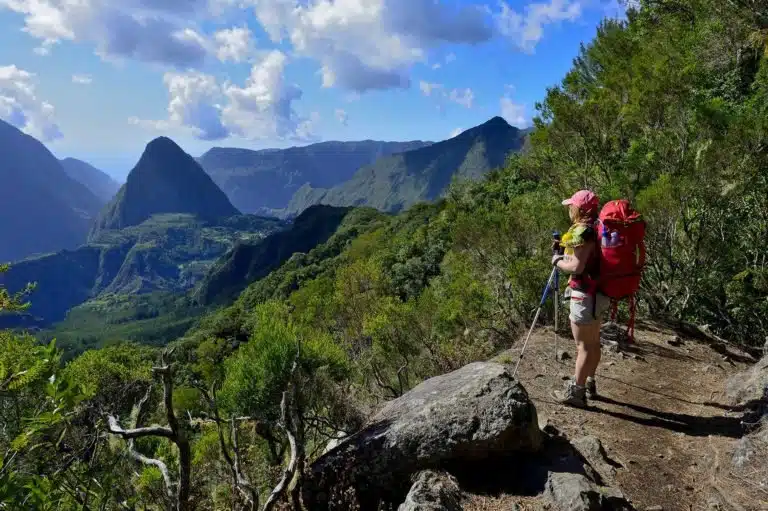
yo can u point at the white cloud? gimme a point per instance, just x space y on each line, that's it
370 44
261 109
456 132
463 97
437 65
341 116
82 79
525 31
264 106
234 44
161 31
20 106
514 113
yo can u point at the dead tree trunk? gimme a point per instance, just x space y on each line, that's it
173 432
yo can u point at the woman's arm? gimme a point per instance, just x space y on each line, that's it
577 262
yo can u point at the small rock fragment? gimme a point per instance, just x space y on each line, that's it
674 341
563 355
433 491
572 492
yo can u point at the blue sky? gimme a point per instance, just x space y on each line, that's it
98 79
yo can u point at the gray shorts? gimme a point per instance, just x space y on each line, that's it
585 308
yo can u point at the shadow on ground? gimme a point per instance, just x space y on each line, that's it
691 425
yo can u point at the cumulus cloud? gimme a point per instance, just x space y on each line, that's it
150 30
341 116
82 79
370 44
526 30
463 97
261 108
514 113
234 44
20 106
456 132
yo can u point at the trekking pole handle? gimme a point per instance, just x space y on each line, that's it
556 248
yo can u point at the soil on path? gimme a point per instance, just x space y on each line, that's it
662 417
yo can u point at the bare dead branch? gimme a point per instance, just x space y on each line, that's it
288 426
239 480
115 428
173 432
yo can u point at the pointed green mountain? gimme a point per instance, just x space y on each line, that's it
165 180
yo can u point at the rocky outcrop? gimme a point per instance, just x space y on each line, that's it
433 491
477 412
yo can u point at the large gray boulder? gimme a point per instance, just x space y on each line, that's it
477 412
433 491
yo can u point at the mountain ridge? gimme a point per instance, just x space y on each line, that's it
97 181
244 174
401 180
41 198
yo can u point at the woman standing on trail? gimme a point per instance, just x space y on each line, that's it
581 260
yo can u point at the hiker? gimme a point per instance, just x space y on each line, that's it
581 259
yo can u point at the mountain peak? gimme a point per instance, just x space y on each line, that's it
165 180
496 121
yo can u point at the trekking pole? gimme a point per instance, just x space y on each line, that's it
536 317
556 297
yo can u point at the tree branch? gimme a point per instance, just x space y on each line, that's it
173 432
287 425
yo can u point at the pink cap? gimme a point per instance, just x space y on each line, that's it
585 200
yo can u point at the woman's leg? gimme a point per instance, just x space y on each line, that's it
588 354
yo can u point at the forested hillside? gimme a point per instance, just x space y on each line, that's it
668 108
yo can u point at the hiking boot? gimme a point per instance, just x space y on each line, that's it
591 388
573 395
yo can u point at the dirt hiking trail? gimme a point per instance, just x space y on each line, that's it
662 417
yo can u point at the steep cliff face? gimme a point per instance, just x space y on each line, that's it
42 208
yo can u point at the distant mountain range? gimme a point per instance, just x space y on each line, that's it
389 176
97 181
171 229
401 180
263 181
42 208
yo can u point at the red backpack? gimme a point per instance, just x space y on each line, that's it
621 232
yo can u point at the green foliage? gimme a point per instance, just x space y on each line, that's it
111 370
256 374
